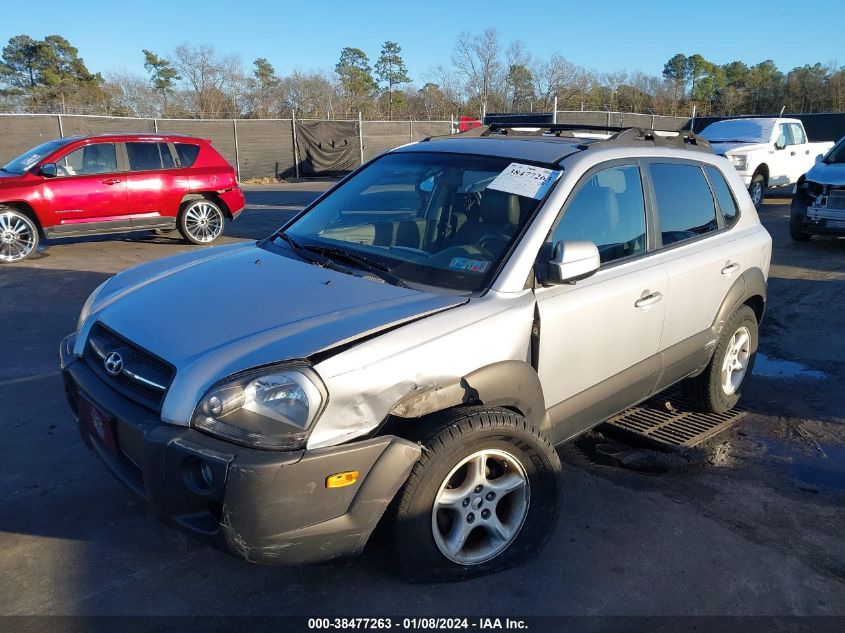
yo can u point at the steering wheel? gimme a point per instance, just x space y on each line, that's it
485 241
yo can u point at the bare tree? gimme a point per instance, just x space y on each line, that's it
559 77
131 94
477 58
215 82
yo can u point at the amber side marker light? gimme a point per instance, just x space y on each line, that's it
339 480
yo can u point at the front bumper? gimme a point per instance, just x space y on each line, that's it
265 506
816 220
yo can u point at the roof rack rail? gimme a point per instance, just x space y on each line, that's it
684 139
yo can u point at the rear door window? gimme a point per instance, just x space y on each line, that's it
147 156
685 205
188 153
727 204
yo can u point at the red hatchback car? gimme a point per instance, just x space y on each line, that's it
113 184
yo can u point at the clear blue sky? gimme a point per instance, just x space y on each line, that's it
605 35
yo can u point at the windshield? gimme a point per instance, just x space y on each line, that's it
444 220
28 159
836 154
739 130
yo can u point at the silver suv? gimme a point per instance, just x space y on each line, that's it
414 344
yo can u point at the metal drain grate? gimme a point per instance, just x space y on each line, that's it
670 422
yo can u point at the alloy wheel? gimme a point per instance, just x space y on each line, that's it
736 360
17 237
756 193
203 222
480 507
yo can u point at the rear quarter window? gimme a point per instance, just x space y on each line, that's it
187 153
727 204
685 205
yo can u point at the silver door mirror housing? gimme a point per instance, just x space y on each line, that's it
571 261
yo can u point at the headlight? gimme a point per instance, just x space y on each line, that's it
740 161
89 304
271 409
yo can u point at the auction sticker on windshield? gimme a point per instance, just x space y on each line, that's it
525 180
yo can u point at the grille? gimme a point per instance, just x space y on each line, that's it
139 367
670 422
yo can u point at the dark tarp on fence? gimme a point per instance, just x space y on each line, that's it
327 148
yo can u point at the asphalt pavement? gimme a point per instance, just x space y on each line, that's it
752 527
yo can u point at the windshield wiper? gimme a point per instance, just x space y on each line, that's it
318 260
361 261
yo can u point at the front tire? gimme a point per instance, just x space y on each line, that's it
796 222
18 236
201 221
719 387
483 496
757 190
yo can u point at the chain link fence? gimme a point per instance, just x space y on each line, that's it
257 148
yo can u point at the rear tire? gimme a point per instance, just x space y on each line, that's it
719 387
757 190
483 496
201 221
18 235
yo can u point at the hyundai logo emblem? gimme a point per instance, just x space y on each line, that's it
113 362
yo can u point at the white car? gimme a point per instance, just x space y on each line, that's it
766 151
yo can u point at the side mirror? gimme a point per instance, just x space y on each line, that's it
779 144
819 158
572 261
49 170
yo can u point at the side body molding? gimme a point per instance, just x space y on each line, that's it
509 383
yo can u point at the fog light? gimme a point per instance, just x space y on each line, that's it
339 480
207 475
198 475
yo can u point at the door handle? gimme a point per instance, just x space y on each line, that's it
807 152
730 269
111 181
792 153
648 300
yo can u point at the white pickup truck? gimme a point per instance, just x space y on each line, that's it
766 151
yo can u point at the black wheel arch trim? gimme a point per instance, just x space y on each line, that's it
511 384
750 284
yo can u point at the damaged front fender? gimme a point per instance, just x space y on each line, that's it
511 383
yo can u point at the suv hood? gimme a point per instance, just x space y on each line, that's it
833 174
223 310
736 148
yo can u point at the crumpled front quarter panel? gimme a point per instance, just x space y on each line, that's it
367 380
